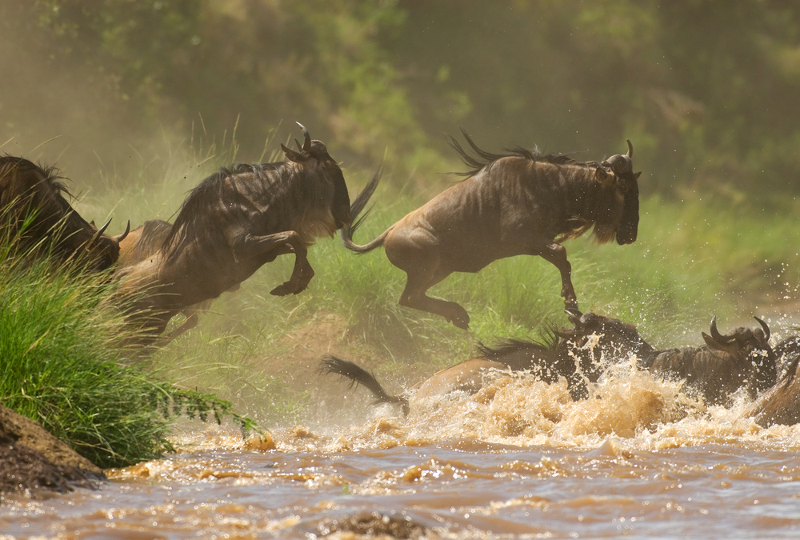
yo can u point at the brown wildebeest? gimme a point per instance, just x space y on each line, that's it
231 224
520 203
33 208
146 241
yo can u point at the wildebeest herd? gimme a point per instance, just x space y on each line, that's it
519 202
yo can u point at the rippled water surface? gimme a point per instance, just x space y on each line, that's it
516 460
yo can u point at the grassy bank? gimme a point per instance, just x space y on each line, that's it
60 366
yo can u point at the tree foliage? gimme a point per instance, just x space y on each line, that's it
706 90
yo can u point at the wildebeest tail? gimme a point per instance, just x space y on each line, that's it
358 375
356 208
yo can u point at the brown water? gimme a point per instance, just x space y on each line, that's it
517 460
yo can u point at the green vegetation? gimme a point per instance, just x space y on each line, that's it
60 366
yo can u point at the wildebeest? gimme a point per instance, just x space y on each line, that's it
781 403
567 353
519 203
234 222
34 209
581 355
743 358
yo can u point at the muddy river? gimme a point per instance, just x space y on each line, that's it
517 460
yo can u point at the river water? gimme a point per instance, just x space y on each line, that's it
516 460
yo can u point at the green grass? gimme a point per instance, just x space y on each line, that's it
59 344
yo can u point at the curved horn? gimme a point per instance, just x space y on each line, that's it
630 149
573 315
763 327
99 232
307 142
122 236
715 333
102 229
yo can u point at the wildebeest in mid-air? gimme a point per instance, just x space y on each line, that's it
518 203
33 209
230 225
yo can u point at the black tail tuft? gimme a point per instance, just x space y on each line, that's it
357 375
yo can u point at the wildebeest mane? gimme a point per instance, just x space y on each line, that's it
510 345
485 158
51 174
203 198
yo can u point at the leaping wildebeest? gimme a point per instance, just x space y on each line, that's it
33 208
518 203
230 225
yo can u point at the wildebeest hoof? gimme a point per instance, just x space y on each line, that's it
288 288
461 320
571 305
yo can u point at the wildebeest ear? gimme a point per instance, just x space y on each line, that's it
291 155
636 175
604 175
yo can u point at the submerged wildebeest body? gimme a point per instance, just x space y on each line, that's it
33 208
520 203
570 353
234 222
581 355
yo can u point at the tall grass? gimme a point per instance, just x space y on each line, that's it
59 345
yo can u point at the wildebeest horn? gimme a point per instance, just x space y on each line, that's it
100 231
122 236
764 327
630 149
307 142
715 333
574 316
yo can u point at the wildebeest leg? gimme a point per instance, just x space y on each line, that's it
273 245
557 255
417 283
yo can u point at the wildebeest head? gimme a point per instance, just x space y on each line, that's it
750 345
30 192
314 156
627 182
617 339
103 251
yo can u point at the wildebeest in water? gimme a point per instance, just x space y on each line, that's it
230 225
567 354
519 203
742 358
33 207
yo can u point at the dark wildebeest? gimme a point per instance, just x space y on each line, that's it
520 203
234 222
781 403
581 354
34 210
568 353
726 363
